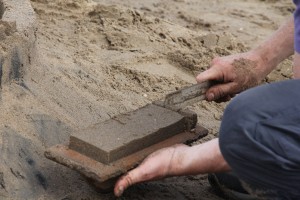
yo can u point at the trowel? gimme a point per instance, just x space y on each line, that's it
109 149
186 96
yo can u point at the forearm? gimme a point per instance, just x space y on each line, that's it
296 67
198 159
277 47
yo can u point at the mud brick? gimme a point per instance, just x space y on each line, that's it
128 133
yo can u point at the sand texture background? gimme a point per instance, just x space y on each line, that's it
95 59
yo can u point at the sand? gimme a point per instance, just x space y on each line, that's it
96 59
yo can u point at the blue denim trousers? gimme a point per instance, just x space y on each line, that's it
260 139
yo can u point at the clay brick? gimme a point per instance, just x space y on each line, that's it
125 134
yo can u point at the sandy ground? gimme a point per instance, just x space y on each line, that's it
96 59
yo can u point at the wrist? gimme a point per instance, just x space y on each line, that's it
266 61
177 163
296 66
260 66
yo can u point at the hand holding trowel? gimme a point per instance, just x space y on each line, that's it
186 96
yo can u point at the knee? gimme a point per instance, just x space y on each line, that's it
236 116
240 107
236 127
234 143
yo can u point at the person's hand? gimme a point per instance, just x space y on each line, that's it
233 74
157 165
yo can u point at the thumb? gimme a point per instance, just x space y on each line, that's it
132 177
218 91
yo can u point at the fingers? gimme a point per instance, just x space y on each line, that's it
215 92
224 99
220 91
133 177
154 167
210 74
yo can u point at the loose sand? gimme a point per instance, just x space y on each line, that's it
96 59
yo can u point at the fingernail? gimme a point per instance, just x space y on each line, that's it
210 97
120 190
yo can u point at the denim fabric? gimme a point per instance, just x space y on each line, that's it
297 26
260 138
